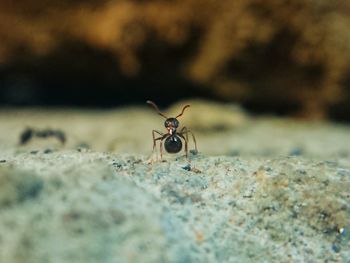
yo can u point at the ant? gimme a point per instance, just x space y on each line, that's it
29 133
173 143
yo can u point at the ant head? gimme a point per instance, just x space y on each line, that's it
171 123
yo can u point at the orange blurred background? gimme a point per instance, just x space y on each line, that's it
271 56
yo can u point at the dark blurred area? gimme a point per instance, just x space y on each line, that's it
284 57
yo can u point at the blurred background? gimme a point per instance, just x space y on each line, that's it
283 57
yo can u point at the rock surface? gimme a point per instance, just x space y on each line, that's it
275 200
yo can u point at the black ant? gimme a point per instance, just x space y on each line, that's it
29 133
173 143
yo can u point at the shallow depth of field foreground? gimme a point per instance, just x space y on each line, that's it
259 190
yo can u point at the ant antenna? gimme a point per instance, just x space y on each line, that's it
182 111
156 108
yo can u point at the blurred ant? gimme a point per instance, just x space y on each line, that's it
173 143
29 133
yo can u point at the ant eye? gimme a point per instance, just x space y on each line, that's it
166 123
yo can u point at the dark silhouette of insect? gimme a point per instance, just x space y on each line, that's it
173 143
29 133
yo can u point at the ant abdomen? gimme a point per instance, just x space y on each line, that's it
173 144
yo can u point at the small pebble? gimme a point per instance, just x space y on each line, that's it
83 145
187 167
234 153
296 152
193 152
118 165
195 170
48 151
336 247
343 172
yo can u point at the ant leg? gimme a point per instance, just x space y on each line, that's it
186 143
185 131
161 148
156 139
161 145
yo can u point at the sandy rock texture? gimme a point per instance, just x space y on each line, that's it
265 190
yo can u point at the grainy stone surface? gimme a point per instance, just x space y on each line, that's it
284 199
